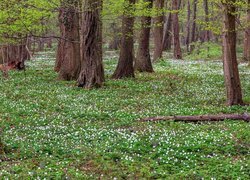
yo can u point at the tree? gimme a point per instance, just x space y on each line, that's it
143 61
231 73
246 54
176 30
207 32
158 30
193 32
68 60
188 25
125 64
92 72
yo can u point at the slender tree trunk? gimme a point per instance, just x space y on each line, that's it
231 73
125 64
193 33
115 41
92 73
246 54
167 36
207 32
188 25
158 31
176 31
143 61
68 60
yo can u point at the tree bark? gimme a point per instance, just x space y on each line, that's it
231 72
207 32
166 44
125 64
188 25
158 31
176 31
193 33
143 61
246 54
68 60
200 118
92 73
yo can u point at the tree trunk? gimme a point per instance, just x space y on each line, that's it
193 33
176 31
158 31
231 73
143 61
207 32
115 41
246 54
201 118
125 64
188 25
166 44
68 60
92 73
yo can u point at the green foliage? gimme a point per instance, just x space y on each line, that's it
205 51
21 18
55 130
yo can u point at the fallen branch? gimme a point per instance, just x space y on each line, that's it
220 117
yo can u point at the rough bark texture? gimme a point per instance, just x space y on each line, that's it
158 31
92 73
246 54
143 61
68 60
166 43
176 31
220 117
125 64
231 73
193 32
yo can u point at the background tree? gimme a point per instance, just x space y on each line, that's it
125 64
143 60
158 29
176 30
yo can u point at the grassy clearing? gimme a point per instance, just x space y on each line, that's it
53 129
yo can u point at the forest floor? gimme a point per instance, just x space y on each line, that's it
54 130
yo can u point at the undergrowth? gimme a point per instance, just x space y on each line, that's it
54 130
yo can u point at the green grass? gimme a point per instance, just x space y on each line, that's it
54 130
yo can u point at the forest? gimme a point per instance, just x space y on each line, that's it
125 89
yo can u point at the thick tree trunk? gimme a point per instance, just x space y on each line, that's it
176 31
246 54
143 61
188 25
231 73
92 73
125 64
68 60
193 33
158 31
207 32
167 36
200 118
